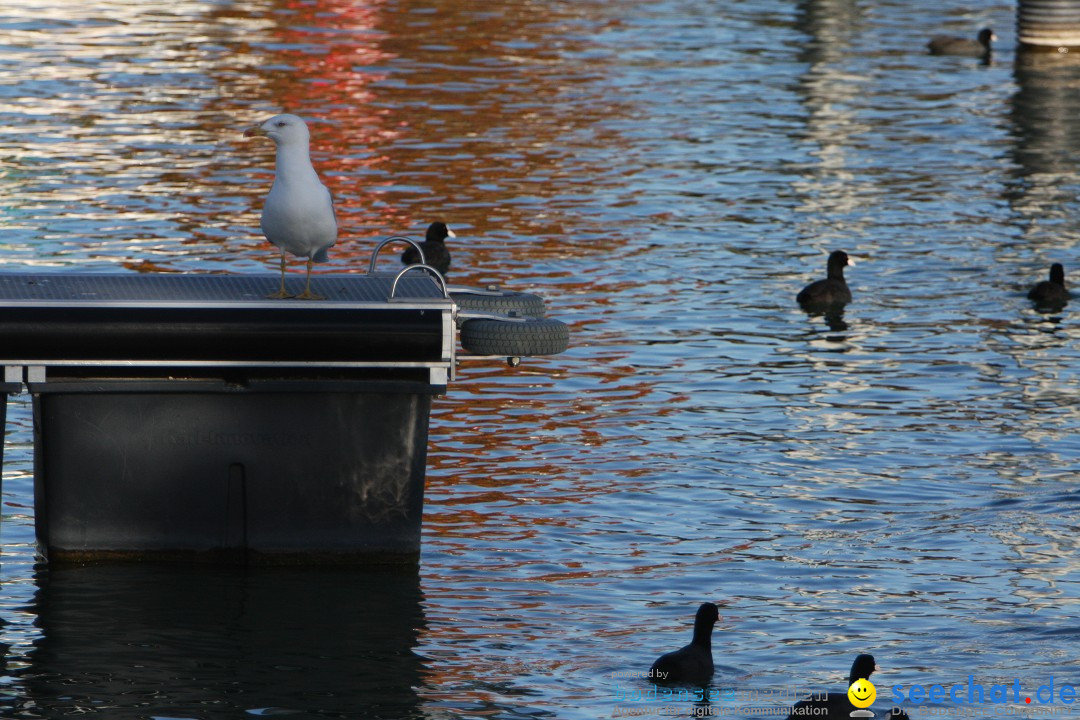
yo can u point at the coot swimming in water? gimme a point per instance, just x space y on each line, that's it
952 45
1052 292
693 663
835 705
833 290
434 247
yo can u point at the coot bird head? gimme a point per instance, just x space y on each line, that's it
863 667
838 260
707 615
438 232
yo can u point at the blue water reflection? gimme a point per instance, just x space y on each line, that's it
668 173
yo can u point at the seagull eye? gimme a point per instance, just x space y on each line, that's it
281 123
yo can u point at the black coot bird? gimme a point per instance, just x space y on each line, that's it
692 664
835 705
1052 292
833 290
952 45
434 246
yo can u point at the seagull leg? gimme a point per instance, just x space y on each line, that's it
307 294
280 294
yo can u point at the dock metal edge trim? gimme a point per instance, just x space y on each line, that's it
229 363
439 303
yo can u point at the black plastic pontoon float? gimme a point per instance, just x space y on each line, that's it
189 417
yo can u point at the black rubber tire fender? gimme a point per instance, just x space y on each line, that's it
506 302
507 338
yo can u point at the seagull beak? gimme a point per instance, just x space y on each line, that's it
255 131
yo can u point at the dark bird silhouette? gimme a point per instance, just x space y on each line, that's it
833 290
434 247
835 705
1052 292
692 664
952 45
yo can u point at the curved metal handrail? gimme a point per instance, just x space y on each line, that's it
387 241
436 273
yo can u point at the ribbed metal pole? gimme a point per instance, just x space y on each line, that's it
1052 25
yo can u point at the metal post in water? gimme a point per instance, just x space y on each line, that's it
1049 25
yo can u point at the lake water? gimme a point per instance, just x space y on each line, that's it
668 174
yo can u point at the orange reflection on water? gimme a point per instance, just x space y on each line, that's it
441 111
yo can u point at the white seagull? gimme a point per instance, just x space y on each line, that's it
299 213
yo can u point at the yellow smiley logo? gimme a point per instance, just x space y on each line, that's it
862 693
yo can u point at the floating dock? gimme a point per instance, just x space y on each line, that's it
189 417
